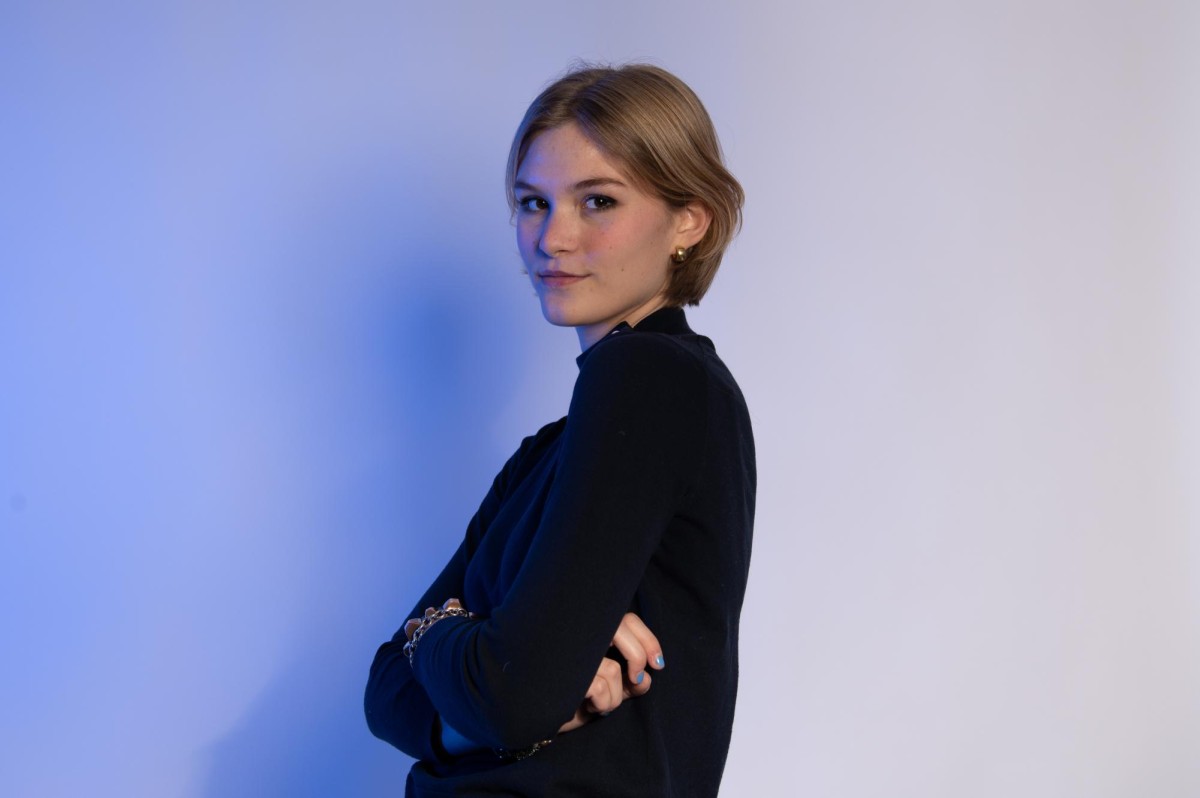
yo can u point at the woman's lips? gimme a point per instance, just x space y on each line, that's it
559 280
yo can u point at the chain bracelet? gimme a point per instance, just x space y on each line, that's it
427 621
521 753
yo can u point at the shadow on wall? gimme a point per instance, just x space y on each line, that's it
305 734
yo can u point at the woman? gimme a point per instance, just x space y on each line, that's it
617 538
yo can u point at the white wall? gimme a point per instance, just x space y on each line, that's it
264 341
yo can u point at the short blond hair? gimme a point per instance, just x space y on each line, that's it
655 126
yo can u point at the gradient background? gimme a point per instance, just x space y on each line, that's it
264 341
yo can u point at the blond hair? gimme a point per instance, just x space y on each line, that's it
652 124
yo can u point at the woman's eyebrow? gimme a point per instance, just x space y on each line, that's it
591 182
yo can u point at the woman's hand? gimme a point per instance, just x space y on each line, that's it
611 686
411 624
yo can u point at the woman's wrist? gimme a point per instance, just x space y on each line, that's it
416 628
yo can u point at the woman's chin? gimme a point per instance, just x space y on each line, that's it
559 316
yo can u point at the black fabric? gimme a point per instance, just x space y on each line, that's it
641 499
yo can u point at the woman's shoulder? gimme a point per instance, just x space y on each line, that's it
648 375
631 352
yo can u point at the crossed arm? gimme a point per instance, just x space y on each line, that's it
609 687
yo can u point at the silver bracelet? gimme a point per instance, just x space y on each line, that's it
429 620
521 753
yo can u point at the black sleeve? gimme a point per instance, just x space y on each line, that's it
631 448
398 709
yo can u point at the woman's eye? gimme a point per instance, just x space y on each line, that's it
531 204
599 202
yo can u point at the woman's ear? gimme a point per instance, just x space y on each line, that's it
694 219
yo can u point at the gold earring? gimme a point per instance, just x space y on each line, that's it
679 255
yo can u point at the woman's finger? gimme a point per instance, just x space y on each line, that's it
607 691
597 699
410 626
581 718
640 648
633 689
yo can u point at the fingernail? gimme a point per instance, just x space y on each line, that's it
641 675
605 714
659 661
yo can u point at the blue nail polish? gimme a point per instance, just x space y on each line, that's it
659 661
641 675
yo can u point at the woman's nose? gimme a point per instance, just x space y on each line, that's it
559 233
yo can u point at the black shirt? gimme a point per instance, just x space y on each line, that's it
640 500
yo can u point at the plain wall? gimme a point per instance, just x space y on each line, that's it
264 340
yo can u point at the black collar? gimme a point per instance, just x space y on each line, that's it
670 320
664 320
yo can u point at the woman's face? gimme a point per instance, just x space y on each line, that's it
597 247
